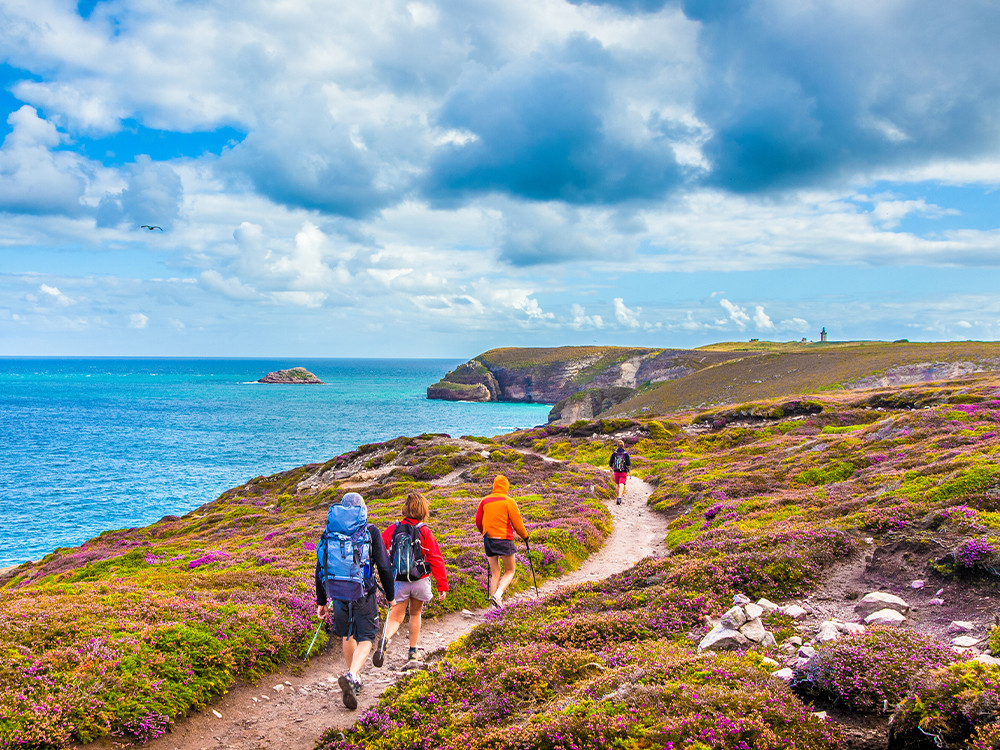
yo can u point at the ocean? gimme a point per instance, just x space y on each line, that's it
93 444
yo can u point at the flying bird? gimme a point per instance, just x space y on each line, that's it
151 227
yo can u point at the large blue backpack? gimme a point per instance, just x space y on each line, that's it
345 548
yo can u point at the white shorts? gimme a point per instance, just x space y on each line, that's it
419 590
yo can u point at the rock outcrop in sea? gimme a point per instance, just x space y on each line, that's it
293 376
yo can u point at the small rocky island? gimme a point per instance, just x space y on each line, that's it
294 376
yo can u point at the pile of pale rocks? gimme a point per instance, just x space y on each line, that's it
741 628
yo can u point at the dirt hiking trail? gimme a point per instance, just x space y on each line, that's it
289 709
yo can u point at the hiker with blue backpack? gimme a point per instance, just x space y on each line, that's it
620 463
415 555
349 553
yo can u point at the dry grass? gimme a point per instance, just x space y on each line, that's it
798 369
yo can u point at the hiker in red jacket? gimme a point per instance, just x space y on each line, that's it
620 463
413 584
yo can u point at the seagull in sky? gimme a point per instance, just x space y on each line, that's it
151 227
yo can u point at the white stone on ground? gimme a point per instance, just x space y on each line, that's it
767 605
754 630
787 674
753 611
720 639
961 626
877 600
734 618
794 611
806 652
885 617
965 641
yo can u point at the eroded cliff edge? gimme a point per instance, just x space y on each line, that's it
581 381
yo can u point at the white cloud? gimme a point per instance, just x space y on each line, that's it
624 315
736 313
34 177
53 292
761 319
138 320
581 321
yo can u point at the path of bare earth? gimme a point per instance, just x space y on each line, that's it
290 709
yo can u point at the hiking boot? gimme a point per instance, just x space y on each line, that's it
416 654
495 601
618 501
351 688
378 657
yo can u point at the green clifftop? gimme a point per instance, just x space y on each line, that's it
588 382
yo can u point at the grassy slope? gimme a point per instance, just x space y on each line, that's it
134 627
764 508
512 358
773 370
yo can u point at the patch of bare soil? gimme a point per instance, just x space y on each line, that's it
292 708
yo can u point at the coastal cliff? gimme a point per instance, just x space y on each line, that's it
588 382
608 374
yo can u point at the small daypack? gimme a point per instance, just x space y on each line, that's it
345 548
407 553
619 461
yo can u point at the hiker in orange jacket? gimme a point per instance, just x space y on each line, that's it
498 517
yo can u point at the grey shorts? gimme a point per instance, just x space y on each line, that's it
419 590
498 547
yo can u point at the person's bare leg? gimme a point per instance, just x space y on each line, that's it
416 607
350 645
358 656
395 618
508 575
494 563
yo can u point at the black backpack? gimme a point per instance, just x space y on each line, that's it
407 553
619 461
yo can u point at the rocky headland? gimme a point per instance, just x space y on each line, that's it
292 376
590 382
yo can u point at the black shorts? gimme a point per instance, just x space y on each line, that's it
498 547
358 619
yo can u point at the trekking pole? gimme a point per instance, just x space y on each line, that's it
531 565
313 643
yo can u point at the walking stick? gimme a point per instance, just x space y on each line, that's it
531 565
313 643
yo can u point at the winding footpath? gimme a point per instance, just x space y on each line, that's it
291 708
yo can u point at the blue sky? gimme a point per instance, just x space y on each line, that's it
436 178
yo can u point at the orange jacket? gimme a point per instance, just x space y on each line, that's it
498 515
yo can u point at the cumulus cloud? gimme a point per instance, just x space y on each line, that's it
736 313
581 321
624 315
138 320
35 178
153 196
761 319
540 134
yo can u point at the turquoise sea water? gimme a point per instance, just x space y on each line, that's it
94 444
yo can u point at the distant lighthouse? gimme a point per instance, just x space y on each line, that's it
822 335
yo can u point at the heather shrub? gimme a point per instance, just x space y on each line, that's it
986 737
866 671
947 705
524 698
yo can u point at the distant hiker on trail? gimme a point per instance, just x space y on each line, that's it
497 518
415 554
620 463
344 574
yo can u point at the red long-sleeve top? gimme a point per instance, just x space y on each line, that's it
432 552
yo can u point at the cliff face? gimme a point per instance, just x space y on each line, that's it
605 375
